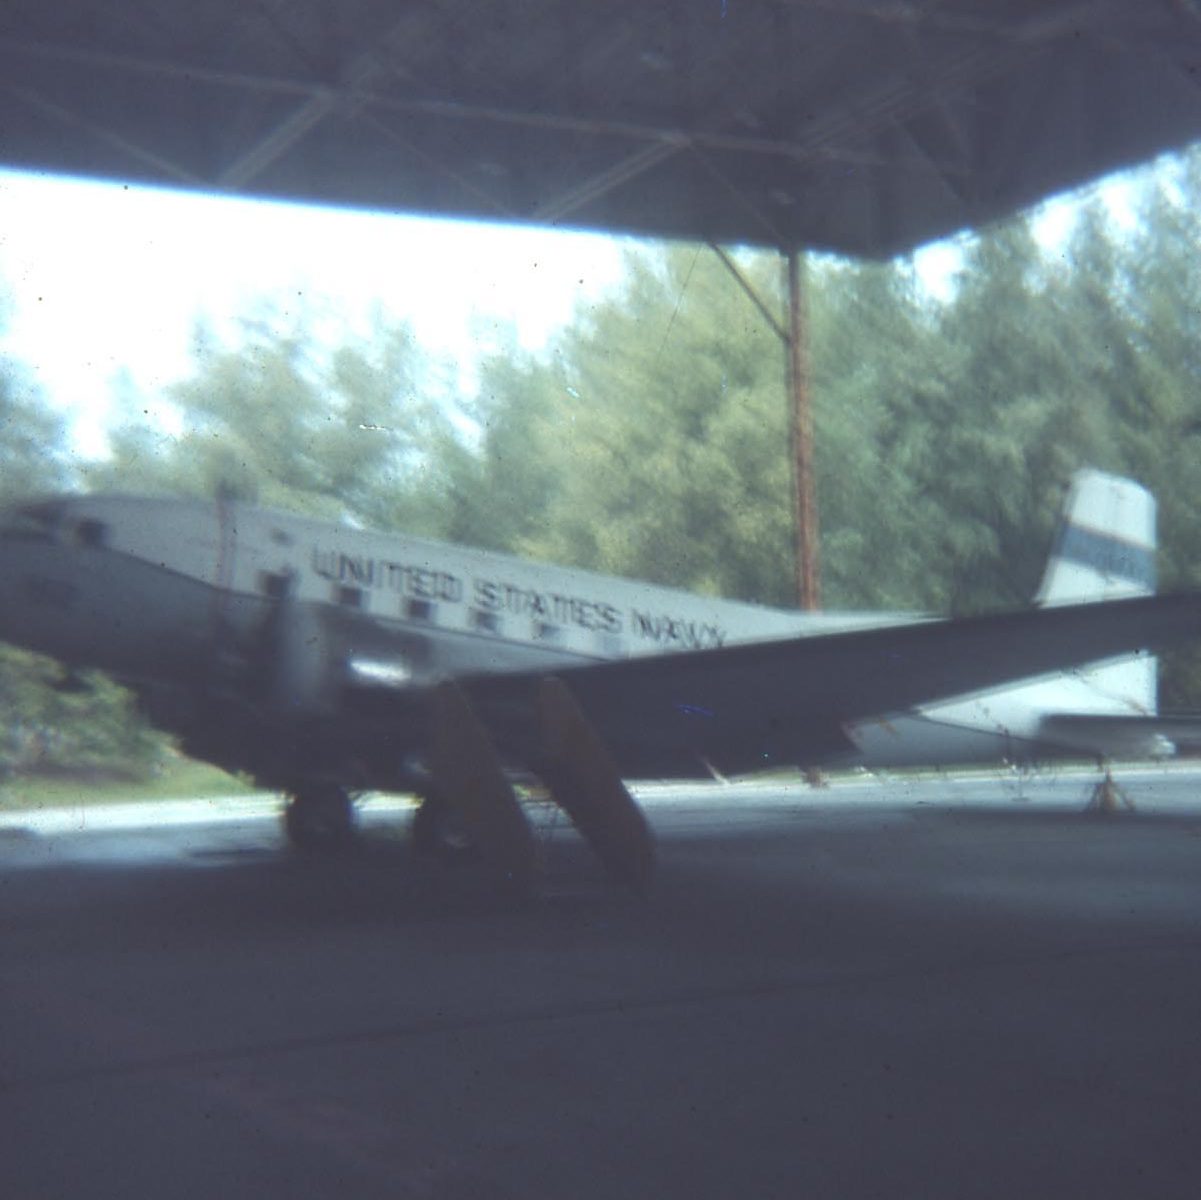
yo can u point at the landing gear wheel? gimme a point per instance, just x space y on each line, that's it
437 832
320 818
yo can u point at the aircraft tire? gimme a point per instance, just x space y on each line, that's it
320 819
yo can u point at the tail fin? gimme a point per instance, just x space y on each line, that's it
1105 550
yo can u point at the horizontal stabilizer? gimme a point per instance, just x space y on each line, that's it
1129 737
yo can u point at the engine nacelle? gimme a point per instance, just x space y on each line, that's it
303 661
313 652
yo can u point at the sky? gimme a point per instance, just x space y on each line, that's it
100 278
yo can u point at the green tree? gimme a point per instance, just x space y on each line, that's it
1008 411
1162 426
32 437
501 489
42 726
282 420
876 371
663 421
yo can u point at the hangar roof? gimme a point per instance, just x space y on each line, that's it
864 127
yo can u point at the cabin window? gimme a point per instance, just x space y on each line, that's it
274 584
484 620
349 597
418 610
90 532
546 632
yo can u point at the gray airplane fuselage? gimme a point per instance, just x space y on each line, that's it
259 637
239 627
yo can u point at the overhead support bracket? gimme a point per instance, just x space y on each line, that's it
752 295
583 779
466 770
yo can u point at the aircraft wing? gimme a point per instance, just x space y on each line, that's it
746 707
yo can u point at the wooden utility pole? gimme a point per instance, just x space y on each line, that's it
804 490
794 334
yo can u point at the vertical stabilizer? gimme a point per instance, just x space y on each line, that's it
1105 550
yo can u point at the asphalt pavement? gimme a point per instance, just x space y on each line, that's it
912 987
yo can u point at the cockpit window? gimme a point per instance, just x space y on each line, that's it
33 522
275 584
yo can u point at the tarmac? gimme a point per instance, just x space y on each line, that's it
919 987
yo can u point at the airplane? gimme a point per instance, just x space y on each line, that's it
323 660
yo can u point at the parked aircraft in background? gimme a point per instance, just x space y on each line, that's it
323 660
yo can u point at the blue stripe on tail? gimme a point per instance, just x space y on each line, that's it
1107 555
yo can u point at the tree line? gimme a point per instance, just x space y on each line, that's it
651 438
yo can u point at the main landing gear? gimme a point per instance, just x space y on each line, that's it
470 803
320 817
437 830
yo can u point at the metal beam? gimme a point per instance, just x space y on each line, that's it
168 168
286 134
933 15
774 234
469 186
355 83
604 182
324 97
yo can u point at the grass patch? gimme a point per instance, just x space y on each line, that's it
180 778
